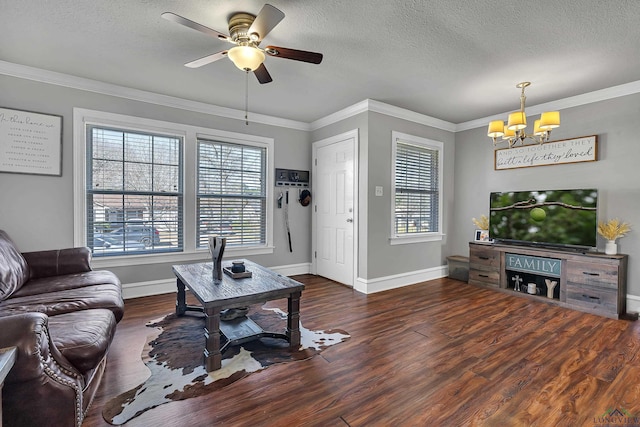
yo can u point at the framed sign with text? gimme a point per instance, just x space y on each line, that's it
30 142
575 150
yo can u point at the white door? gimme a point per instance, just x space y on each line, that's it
335 212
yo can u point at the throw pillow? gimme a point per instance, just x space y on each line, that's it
14 271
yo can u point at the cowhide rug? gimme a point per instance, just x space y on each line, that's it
174 355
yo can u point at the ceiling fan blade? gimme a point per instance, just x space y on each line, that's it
206 60
193 25
266 21
298 55
262 74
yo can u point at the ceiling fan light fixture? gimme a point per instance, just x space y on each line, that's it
246 32
246 57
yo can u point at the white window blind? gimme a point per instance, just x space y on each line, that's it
134 192
231 196
417 188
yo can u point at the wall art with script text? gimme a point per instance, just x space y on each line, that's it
576 150
30 142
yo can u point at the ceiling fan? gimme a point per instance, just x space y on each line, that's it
247 32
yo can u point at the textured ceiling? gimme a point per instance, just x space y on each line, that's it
455 60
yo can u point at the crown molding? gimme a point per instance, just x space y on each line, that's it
412 116
345 113
81 83
561 104
386 109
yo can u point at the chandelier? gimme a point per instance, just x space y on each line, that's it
515 130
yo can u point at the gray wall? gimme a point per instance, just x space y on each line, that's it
385 259
377 257
616 174
37 211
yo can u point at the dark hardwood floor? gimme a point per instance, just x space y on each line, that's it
439 353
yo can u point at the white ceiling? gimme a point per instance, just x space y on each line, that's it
455 60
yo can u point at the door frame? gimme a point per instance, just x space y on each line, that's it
354 134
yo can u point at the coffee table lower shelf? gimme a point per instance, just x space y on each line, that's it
243 329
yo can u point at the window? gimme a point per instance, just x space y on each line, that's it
417 189
134 192
150 191
231 195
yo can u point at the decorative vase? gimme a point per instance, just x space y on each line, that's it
611 248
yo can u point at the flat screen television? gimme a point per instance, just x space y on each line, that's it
563 218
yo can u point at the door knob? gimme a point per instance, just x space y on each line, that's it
349 219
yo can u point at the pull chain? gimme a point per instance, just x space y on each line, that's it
246 98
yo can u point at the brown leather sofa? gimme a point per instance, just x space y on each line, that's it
62 317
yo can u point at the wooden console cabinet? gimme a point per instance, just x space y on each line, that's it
591 282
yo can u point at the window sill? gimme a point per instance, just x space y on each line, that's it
405 240
199 255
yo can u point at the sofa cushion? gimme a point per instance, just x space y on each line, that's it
70 281
58 262
83 337
14 271
98 295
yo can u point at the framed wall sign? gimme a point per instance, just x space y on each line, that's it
30 142
583 149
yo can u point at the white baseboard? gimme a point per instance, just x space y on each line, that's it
293 269
379 284
366 286
633 304
165 286
144 289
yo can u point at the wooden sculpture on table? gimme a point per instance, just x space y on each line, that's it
216 248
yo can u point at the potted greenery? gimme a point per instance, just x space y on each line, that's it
482 223
482 231
612 230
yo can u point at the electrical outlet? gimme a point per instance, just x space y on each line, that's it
379 191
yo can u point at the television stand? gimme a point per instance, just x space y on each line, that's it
591 282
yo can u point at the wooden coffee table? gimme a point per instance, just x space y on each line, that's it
214 296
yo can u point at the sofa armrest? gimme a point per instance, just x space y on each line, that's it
42 387
58 262
36 353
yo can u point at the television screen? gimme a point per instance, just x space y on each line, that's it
551 217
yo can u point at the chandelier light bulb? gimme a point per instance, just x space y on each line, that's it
550 120
517 120
496 129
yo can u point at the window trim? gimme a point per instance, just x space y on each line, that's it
400 239
190 134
